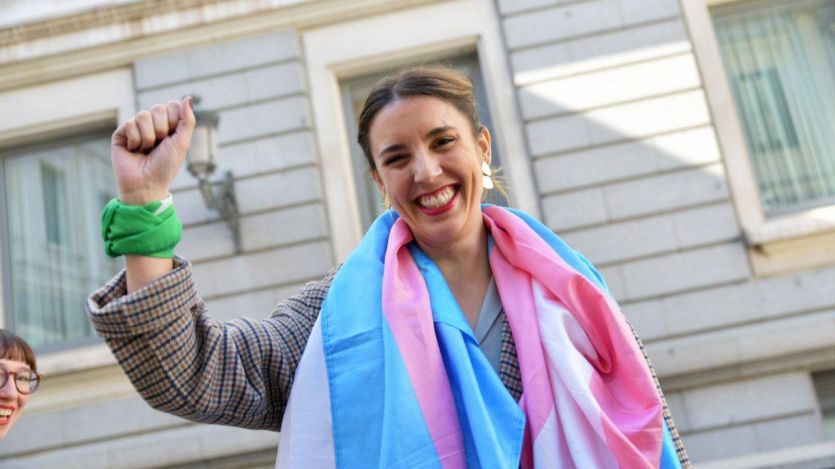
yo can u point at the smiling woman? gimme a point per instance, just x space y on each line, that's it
456 334
18 379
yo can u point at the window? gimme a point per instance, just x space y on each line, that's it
825 389
780 61
53 195
354 92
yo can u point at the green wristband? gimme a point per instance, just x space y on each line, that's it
148 230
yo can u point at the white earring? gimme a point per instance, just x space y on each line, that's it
486 179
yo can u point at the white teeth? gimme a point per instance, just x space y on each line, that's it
5 412
438 200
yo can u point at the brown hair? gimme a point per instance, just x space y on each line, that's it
12 347
438 82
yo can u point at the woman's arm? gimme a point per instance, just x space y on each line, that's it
183 362
147 151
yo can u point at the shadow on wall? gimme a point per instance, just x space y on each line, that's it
630 173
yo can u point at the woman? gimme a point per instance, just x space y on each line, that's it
454 335
18 379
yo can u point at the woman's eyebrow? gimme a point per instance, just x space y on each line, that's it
392 148
22 370
401 147
439 130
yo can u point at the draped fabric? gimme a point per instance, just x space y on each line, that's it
408 386
781 64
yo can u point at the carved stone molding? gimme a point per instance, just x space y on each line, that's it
112 37
96 18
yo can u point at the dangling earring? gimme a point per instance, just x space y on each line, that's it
386 202
486 179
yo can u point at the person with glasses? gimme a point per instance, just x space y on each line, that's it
19 378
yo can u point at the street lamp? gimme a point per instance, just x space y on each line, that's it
218 196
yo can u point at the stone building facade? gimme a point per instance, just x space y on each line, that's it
615 124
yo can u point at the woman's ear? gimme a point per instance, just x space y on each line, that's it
378 182
485 144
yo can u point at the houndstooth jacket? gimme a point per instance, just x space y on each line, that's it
235 373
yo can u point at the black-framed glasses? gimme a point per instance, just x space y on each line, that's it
26 383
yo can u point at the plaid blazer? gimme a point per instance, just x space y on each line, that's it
239 372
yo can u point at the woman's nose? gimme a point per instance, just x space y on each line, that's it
8 389
427 167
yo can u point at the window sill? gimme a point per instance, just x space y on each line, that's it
793 242
74 360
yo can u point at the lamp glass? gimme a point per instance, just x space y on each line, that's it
201 153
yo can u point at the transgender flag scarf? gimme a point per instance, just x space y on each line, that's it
392 375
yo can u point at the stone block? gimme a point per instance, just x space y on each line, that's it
516 6
753 301
618 123
560 23
748 343
291 225
265 192
258 231
609 49
160 449
647 317
633 239
80 457
614 162
748 401
751 439
789 432
697 268
34 432
216 59
705 225
207 241
614 280
574 209
263 119
640 11
666 192
257 156
238 274
104 420
276 190
720 443
256 305
607 87
234 89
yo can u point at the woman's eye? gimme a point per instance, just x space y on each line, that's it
394 159
444 141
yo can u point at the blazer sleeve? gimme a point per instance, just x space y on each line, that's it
183 362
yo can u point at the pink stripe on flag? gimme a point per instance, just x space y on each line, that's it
621 384
517 299
407 310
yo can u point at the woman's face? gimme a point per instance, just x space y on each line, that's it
428 164
12 401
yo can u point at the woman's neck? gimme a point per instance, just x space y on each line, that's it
466 269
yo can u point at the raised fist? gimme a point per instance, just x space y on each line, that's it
148 150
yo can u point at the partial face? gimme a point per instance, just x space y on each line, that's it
11 401
428 163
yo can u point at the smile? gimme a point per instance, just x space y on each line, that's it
439 201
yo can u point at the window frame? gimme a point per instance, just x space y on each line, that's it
79 135
785 243
52 111
359 47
